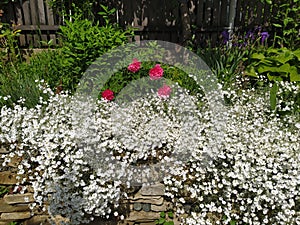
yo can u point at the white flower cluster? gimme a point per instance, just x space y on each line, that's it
81 157
255 178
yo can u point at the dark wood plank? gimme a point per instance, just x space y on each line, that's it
42 18
200 13
238 14
224 13
34 21
27 21
51 22
216 13
39 27
19 22
208 13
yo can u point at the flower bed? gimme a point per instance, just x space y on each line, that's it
84 158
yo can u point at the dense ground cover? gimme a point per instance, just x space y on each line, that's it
249 175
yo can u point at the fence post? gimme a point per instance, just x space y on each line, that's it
232 9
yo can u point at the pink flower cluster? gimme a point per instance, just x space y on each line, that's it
164 91
134 66
108 95
155 73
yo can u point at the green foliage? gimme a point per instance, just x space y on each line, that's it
106 13
18 79
9 50
3 191
13 223
225 62
165 218
63 8
124 77
276 64
15 83
285 20
83 42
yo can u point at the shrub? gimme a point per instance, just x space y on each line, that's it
18 79
83 42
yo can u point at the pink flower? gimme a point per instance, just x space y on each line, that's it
156 72
134 66
164 91
108 95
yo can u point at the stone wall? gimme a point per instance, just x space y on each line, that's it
15 207
144 206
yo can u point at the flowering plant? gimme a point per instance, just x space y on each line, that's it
83 158
156 72
134 66
108 94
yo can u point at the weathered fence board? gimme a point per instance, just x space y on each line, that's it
155 19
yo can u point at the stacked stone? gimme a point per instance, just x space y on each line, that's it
146 205
15 207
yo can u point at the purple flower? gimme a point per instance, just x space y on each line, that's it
250 35
264 36
225 36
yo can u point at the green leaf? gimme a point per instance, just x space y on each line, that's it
258 56
161 221
169 223
277 25
251 72
297 54
285 68
232 222
273 93
284 57
170 215
274 78
294 75
163 215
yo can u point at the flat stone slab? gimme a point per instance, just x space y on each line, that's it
153 190
8 178
142 217
37 220
15 216
157 200
4 207
18 198
159 208
3 150
5 222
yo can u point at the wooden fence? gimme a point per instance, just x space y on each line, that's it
155 19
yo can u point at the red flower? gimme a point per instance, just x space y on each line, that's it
134 66
164 91
108 95
156 72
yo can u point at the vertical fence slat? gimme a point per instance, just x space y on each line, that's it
50 21
200 13
20 21
208 13
224 13
216 20
238 14
259 14
27 20
34 21
42 18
